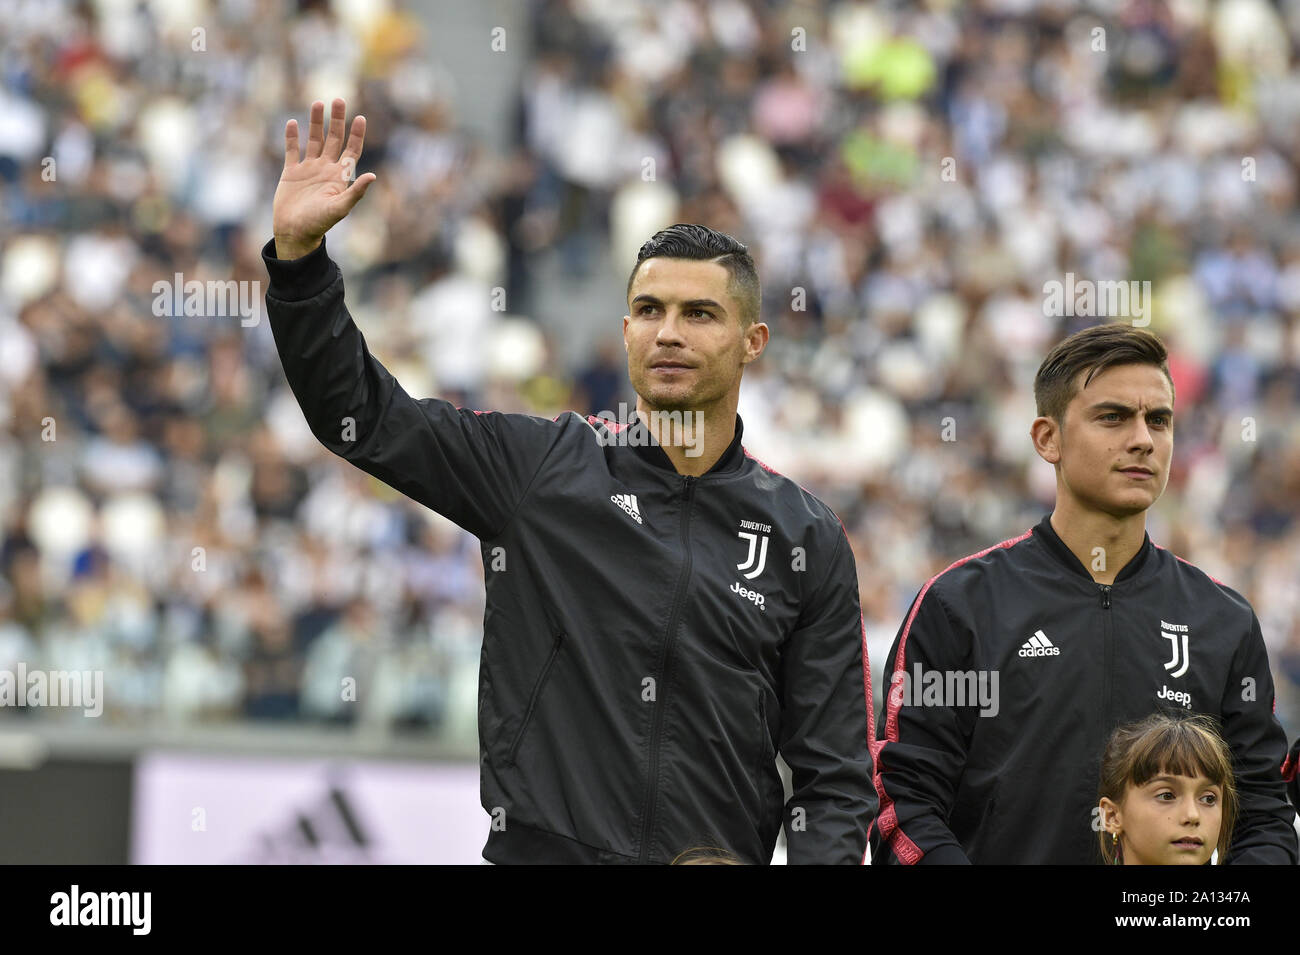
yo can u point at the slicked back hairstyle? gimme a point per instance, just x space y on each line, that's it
1175 745
1093 350
689 241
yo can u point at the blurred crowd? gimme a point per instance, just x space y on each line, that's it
908 175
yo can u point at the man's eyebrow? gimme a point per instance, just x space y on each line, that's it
1129 409
689 303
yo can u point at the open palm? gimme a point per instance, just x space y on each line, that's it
317 190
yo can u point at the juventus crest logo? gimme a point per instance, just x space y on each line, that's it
754 546
1176 634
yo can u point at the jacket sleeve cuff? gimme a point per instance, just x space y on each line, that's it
944 855
296 280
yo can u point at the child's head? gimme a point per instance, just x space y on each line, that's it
1167 795
706 855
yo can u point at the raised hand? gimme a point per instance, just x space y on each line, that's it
317 190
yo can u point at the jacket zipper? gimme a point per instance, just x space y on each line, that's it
536 694
665 655
1107 660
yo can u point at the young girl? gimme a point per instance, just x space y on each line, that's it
706 855
1167 795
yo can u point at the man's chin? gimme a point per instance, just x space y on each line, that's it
669 399
1128 505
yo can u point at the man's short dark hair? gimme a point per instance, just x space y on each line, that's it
689 241
1093 350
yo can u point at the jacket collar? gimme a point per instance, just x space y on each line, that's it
1058 549
650 450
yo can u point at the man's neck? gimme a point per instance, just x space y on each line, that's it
693 440
1103 544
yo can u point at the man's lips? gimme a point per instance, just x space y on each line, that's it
1137 471
670 366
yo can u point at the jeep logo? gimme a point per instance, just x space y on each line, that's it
1175 696
751 595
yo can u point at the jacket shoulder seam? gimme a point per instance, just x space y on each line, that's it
1231 596
965 563
815 599
559 433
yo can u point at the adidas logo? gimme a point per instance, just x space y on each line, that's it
1039 646
628 503
330 830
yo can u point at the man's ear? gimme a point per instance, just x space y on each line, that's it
756 338
1045 432
626 320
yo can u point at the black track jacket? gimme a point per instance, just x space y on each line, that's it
1074 659
651 640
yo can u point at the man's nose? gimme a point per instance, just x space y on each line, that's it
1141 439
670 331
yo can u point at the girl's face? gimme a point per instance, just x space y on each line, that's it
1171 820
